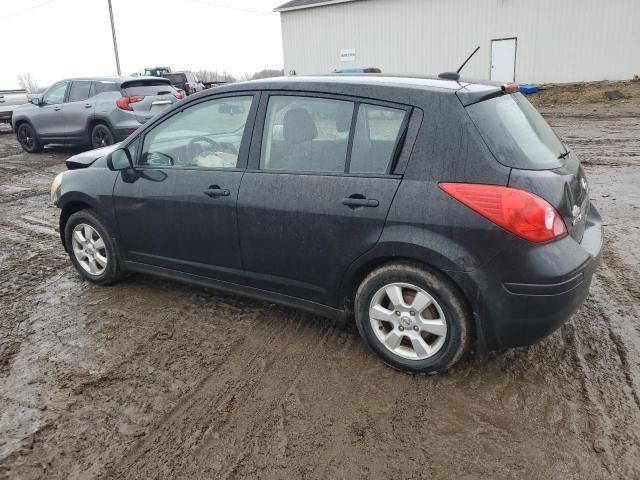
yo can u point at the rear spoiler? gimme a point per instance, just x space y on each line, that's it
139 82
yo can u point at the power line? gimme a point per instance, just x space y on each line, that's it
33 7
227 7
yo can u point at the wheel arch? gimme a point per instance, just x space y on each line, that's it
408 254
15 124
66 210
97 121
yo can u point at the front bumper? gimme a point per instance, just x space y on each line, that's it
511 312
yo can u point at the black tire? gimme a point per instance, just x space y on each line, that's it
456 316
101 136
28 138
112 272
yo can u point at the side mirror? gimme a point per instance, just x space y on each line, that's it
36 99
119 159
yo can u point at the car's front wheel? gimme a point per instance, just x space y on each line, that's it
413 318
28 139
101 136
91 248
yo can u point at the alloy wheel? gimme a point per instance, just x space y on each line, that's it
408 321
89 249
101 137
25 137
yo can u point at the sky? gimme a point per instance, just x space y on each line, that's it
55 39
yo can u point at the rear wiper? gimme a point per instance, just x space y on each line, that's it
562 156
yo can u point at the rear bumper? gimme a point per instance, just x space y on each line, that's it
515 313
121 133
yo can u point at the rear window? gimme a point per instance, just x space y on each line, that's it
516 133
175 78
146 88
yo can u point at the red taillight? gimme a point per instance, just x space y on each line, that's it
179 95
124 102
519 212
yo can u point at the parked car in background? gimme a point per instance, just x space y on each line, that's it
357 70
435 211
156 71
10 99
187 81
95 111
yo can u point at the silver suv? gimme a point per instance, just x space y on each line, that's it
96 111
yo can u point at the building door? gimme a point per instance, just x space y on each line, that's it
503 60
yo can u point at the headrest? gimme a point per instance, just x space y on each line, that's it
299 126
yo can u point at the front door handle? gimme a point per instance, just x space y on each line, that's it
215 191
359 201
57 109
88 105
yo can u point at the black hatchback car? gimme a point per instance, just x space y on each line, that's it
435 212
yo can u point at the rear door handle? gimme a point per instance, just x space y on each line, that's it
355 202
57 109
215 191
87 105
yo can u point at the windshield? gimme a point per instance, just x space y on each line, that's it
516 133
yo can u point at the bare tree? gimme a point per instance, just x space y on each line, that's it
267 73
27 83
215 76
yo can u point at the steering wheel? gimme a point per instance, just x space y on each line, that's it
159 160
192 143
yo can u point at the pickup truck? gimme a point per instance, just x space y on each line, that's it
9 99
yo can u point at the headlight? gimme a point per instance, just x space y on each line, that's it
55 188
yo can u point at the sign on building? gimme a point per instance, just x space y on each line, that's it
348 55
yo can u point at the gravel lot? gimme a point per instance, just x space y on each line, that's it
154 379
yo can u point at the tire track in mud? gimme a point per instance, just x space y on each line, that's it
215 426
27 264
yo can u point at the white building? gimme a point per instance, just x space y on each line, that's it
529 41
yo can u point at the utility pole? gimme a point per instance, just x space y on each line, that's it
113 33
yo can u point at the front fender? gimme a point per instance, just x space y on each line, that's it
88 188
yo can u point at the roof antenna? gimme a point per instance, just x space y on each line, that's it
456 75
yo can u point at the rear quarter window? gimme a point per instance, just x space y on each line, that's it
516 133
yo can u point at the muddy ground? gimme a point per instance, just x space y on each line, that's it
154 379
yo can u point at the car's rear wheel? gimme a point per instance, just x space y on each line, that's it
414 319
91 248
101 136
28 139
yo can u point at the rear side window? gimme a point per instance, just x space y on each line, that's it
516 133
374 141
102 87
146 88
310 134
306 134
79 91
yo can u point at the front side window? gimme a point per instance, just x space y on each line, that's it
55 94
79 91
206 135
306 134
